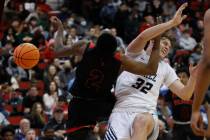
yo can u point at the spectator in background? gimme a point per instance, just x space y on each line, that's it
107 13
120 43
49 75
67 74
24 34
16 97
15 71
72 36
83 26
3 120
31 135
196 54
24 126
50 99
121 18
186 41
56 123
55 4
9 36
5 77
31 98
198 30
169 9
7 133
37 116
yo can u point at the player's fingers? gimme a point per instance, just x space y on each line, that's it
183 6
198 131
184 17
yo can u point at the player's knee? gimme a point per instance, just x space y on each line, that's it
142 122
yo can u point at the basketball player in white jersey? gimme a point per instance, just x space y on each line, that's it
134 115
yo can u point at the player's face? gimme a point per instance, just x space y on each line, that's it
165 46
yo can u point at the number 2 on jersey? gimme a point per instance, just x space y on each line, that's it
142 86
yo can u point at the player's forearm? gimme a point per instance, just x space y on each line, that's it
188 89
139 43
59 39
202 83
140 68
135 67
155 55
75 49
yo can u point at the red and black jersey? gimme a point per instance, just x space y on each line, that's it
95 75
181 109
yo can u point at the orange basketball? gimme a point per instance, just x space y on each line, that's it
26 55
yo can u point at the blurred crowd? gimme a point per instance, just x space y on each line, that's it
34 103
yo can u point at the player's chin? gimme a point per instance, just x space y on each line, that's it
162 55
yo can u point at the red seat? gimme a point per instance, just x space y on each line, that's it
19 107
14 120
42 66
8 108
24 85
40 85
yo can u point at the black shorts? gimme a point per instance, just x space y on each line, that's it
184 132
88 112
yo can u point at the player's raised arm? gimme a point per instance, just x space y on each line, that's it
60 49
140 68
140 41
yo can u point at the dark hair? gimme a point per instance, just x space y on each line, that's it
106 43
183 69
55 85
6 129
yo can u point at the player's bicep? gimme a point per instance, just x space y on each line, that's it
138 68
136 46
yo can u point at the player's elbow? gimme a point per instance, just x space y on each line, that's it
187 98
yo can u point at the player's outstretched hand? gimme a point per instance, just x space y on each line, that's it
178 17
56 21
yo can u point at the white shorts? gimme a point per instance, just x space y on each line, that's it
120 126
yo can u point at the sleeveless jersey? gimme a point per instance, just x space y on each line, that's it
95 75
136 93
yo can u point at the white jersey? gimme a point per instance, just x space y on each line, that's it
136 93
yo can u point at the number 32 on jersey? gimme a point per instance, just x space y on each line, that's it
142 85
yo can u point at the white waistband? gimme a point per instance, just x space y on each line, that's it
181 123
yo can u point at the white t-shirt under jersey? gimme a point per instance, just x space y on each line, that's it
136 93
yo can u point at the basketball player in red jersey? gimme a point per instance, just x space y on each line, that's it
203 81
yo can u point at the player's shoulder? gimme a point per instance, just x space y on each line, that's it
165 67
165 64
